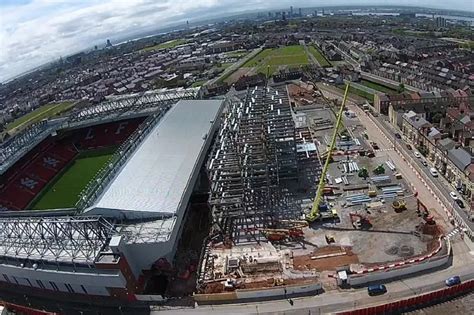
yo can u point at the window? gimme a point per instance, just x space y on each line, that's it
40 284
54 286
84 289
69 288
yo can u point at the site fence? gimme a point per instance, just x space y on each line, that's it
416 302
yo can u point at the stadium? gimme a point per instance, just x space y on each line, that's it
93 204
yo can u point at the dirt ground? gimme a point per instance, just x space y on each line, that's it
330 263
239 73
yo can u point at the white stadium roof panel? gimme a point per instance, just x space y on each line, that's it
155 178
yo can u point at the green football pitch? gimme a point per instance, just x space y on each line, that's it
64 190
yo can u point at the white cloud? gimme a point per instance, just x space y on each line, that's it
40 31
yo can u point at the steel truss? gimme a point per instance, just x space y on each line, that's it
15 147
70 240
133 103
253 160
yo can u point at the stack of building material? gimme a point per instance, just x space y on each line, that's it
358 199
380 179
392 191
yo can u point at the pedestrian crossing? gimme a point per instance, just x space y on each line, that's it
384 150
453 233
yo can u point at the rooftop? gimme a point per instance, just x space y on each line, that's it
152 182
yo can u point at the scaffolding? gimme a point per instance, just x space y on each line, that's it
252 164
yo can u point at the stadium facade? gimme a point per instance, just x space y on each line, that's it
129 219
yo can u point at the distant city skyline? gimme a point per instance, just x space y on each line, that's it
35 32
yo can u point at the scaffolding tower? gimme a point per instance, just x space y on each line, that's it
252 164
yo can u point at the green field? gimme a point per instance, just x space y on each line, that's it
275 57
198 83
361 93
236 53
378 87
46 111
64 190
323 62
166 45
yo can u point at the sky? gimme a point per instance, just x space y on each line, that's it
34 32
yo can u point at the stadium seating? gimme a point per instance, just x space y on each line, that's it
23 181
107 135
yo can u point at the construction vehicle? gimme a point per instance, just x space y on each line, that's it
399 205
314 214
278 235
372 191
330 239
359 221
424 212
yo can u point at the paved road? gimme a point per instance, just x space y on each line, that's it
309 54
333 301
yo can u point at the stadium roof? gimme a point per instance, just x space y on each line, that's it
154 180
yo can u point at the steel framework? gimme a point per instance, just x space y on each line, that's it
15 147
252 161
120 106
69 240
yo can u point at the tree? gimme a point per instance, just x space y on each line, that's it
379 170
363 173
401 88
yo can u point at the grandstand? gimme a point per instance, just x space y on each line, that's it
128 218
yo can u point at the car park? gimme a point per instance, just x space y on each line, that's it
453 281
453 195
376 289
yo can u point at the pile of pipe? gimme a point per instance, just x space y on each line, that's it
380 179
391 191
358 199
350 167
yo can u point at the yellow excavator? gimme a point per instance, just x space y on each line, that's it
314 214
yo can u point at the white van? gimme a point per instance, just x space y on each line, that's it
433 172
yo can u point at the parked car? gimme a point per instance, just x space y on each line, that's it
424 163
460 203
453 281
397 135
376 289
408 147
454 195
417 154
433 172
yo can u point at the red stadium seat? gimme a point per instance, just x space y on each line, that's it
25 180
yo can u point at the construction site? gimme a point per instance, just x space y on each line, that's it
298 193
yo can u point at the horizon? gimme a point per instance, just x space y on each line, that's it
38 32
